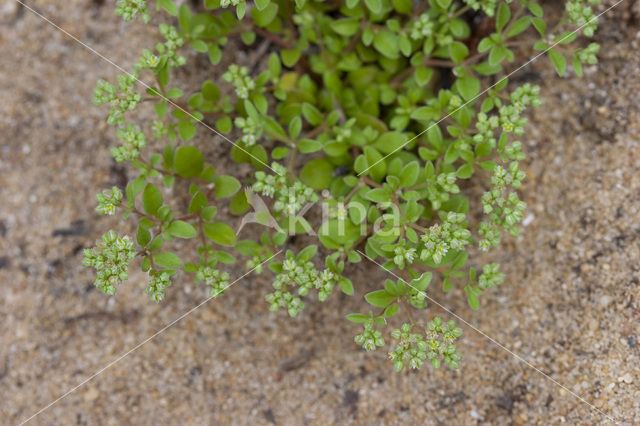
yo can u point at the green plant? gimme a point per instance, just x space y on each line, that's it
386 113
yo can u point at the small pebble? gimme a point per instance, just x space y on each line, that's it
627 378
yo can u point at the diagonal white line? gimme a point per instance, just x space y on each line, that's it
70 391
91 49
566 36
518 357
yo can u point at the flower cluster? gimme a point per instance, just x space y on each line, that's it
440 338
108 200
110 259
403 255
303 275
129 9
502 177
370 338
490 234
439 193
227 3
411 348
422 27
159 281
218 281
325 282
452 234
289 197
588 54
148 60
580 13
487 6
134 141
491 276
239 77
251 130
121 99
169 48
255 264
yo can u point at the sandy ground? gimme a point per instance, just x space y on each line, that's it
570 305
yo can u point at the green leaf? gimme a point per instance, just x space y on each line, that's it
220 233
422 282
208 213
184 19
187 130
143 236
295 127
311 114
151 199
261 4
346 27
167 260
181 229
504 14
346 286
226 186
377 195
239 203
264 17
198 202
210 91
468 86
559 61
307 253
224 124
535 9
519 26
409 174
473 300
386 42
465 171
391 310
374 6
174 93
390 142
358 318
317 174
377 167
290 56
379 298
189 161
167 5
309 145
458 51
280 152
423 75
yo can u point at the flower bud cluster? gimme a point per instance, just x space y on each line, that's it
134 141
491 276
218 281
155 288
251 130
239 77
121 99
290 198
370 339
108 200
169 48
129 9
581 13
227 3
110 259
452 234
422 27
